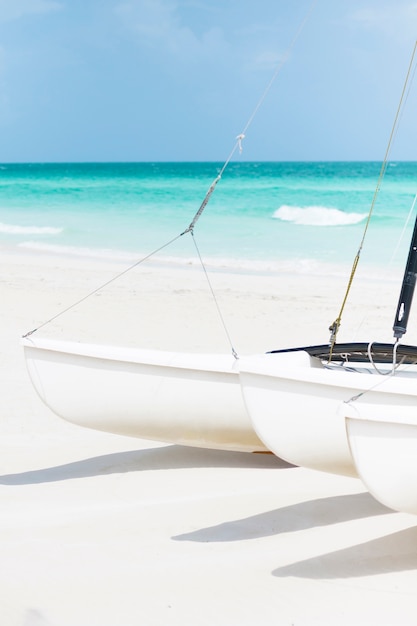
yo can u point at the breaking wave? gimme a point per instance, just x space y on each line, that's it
317 216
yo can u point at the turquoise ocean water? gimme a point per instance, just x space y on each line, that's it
301 217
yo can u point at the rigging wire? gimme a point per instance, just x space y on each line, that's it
334 327
242 135
190 229
97 289
410 213
214 297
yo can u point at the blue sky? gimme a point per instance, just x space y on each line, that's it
144 80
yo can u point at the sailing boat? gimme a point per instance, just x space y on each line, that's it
348 408
190 399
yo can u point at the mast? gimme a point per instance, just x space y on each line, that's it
407 289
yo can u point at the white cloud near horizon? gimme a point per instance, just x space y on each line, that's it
158 25
197 35
104 79
393 18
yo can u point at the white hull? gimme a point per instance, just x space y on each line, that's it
384 449
188 399
298 406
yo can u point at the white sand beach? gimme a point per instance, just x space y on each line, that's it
104 530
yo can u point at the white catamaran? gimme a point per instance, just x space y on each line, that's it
348 408
190 399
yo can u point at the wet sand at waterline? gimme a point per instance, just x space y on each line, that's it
102 529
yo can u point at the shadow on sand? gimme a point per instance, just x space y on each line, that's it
301 516
393 553
161 458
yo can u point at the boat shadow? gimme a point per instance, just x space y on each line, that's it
392 553
300 516
160 458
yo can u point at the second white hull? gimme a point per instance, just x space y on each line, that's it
298 406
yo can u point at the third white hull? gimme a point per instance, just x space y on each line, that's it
298 405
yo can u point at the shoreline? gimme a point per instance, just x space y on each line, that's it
123 260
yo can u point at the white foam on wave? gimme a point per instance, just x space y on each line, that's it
15 229
317 216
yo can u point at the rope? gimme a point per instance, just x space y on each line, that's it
125 271
384 375
395 365
278 70
190 228
241 136
411 211
334 327
214 297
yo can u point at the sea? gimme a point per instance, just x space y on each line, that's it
301 217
